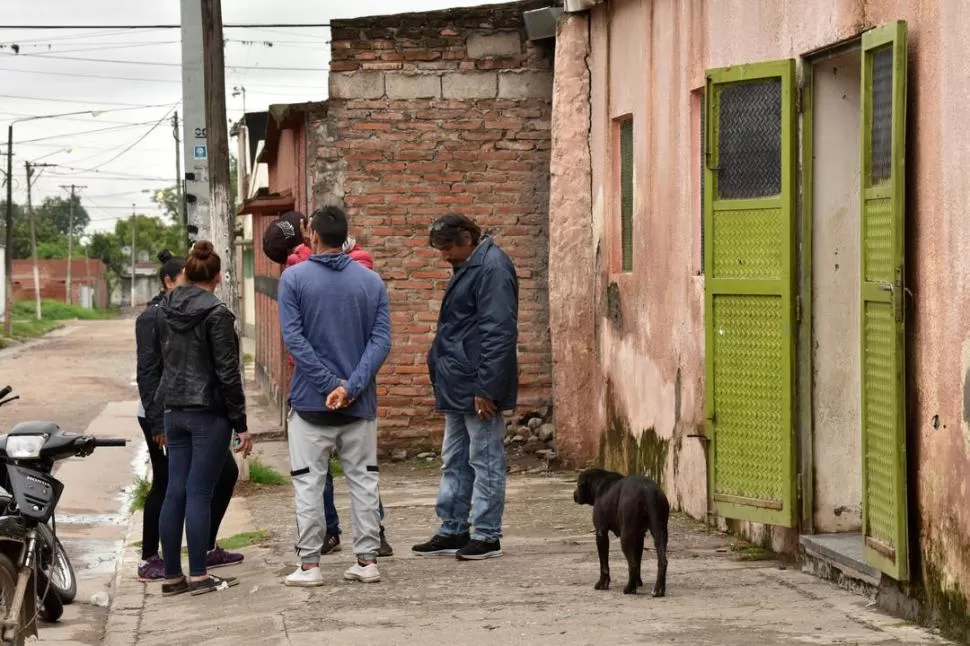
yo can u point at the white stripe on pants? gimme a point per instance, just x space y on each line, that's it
310 449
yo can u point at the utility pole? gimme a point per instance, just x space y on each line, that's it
8 239
222 217
69 297
132 256
33 242
194 139
178 179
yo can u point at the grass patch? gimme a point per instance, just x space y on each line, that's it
336 469
748 552
236 542
247 358
26 325
139 494
263 474
245 539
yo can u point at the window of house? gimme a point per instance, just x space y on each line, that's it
626 192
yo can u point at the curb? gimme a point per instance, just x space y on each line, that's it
127 593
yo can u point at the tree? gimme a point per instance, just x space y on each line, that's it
52 220
152 235
167 200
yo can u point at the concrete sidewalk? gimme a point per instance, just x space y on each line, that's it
541 592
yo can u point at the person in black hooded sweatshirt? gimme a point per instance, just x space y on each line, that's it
204 404
151 420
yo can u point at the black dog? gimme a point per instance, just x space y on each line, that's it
628 507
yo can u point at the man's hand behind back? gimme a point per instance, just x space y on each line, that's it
338 399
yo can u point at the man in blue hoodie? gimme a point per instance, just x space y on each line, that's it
336 324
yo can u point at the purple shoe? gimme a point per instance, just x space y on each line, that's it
221 558
151 570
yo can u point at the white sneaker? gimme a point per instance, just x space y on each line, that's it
363 573
301 578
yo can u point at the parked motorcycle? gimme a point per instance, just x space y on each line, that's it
29 548
52 557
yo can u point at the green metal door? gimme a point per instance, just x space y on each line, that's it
749 219
884 509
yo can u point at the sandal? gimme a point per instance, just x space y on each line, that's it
212 584
172 589
331 544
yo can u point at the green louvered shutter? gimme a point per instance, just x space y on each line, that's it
884 508
749 197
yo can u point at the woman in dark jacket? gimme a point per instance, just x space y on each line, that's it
202 392
151 420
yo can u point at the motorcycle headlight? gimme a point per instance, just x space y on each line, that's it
24 447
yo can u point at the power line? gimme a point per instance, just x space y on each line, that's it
143 79
53 100
281 25
109 33
94 47
84 132
132 145
162 64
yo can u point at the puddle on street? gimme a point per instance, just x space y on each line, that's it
92 557
91 519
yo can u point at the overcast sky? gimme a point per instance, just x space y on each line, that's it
119 72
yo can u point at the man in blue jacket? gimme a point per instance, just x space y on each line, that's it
335 323
474 373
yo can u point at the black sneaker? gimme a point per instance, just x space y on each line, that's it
385 549
441 545
479 551
331 544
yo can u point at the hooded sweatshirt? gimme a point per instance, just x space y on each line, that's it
200 355
302 253
336 324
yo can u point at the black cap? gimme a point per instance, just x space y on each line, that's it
282 235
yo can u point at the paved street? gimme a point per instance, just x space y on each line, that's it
80 377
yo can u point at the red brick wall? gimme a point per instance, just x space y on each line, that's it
268 340
430 113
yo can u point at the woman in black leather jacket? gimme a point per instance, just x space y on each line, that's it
202 391
151 420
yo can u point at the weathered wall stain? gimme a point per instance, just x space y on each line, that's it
621 450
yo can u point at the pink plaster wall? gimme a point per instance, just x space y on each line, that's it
646 57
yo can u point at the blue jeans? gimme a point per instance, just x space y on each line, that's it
197 444
330 510
473 477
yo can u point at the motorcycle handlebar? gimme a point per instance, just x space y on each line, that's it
5 391
110 441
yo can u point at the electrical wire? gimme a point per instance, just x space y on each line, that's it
129 106
133 144
83 132
254 25
146 80
161 64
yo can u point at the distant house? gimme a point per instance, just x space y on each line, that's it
89 282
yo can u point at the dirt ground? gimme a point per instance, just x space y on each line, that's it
70 377
540 592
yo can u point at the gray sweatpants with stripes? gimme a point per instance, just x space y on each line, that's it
310 450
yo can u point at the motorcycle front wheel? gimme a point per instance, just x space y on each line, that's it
8 584
58 567
50 604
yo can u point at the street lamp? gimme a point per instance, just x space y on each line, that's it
8 238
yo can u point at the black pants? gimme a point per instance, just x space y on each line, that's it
156 495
